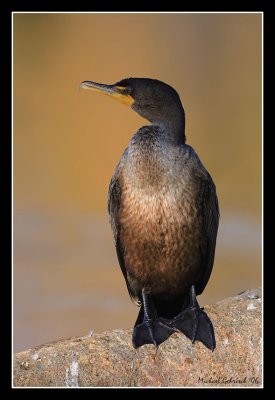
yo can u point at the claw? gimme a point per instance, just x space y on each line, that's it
194 323
151 332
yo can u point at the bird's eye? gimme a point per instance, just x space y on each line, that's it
126 90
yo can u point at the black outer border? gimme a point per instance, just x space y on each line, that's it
6 158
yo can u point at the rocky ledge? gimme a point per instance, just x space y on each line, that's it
109 360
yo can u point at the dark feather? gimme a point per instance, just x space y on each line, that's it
210 213
114 201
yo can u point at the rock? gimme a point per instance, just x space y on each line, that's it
109 360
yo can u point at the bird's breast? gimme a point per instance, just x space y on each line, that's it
160 232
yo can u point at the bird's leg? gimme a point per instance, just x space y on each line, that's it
149 329
195 323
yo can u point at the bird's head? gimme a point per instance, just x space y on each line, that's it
152 99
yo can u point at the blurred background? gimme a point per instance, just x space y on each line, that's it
66 144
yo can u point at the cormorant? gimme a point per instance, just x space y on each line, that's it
164 215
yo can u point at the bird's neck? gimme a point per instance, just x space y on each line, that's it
172 128
171 133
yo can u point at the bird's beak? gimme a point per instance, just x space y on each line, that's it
116 92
